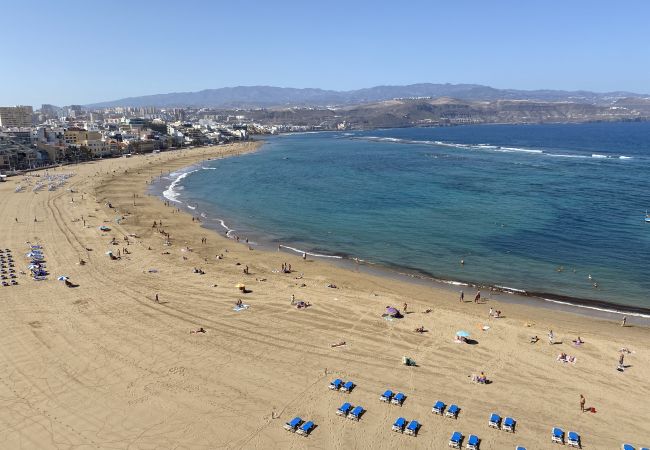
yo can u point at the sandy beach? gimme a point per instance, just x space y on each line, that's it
105 365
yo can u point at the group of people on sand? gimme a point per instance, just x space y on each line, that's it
480 379
299 304
286 268
199 271
494 313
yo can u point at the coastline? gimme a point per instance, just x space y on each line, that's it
601 309
105 365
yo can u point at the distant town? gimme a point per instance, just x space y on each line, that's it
52 135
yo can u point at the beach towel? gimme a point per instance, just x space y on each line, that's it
240 308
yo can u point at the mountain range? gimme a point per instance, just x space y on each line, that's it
270 96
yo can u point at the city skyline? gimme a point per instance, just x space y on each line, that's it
81 53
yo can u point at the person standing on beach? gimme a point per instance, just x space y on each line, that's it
156 300
551 337
624 321
461 299
621 359
582 403
406 306
478 297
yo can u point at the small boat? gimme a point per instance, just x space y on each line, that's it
647 217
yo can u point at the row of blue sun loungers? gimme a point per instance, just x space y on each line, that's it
395 399
456 440
631 447
297 425
402 425
452 411
572 438
507 424
339 385
347 410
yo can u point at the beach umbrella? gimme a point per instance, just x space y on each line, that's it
391 311
462 333
62 278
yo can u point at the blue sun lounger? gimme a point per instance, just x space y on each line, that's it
336 384
306 428
344 409
399 425
473 442
347 387
495 421
386 396
293 424
573 439
413 427
398 399
557 435
453 411
355 414
438 408
509 424
455 439
519 447
627 447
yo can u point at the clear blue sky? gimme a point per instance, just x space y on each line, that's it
74 52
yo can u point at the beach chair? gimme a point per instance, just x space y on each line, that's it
399 425
336 384
355 414
438 408
347 387
344 409
573 439
557 435
306 428
453 411
627 447
509 424
398 399
473 442
386 396
495 421
412 428
293 424
455 439
519 447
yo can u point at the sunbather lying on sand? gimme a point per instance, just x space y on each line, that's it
420 330
200 330
563 357
533 339
338 344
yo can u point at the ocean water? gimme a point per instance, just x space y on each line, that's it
556 210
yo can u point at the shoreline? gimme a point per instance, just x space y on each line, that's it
73 356
638 315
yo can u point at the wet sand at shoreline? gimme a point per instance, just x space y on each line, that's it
103 365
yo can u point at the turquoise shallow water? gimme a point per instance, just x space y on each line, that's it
539 207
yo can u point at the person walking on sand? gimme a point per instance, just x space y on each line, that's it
491 312
551 337
478 297
621 359
461 299
156 299
624 321
405 307
582 403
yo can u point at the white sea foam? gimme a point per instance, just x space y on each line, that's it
490 147
608 310
191 207
171 193
318 255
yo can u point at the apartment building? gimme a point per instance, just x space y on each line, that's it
16 116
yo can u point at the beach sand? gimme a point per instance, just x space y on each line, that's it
102 365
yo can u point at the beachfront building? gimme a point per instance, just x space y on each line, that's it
16 116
